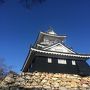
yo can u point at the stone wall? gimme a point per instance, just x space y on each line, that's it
46 81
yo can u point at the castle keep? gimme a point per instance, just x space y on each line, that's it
50 65
51 54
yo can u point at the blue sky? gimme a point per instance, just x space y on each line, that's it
19 27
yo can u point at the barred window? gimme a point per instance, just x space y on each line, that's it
49 60
62 61
73 62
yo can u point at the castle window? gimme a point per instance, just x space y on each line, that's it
49 60
73 62
62 61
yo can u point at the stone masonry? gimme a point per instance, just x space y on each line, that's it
47 81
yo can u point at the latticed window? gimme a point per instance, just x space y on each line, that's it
73 62
49 60
62 61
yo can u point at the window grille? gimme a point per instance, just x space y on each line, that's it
62 61
49 60
73 62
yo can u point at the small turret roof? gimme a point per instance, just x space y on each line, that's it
51 31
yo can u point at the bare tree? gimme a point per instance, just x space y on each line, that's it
30 3
26 3
4 69
2 1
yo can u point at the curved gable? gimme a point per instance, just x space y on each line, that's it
59 48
